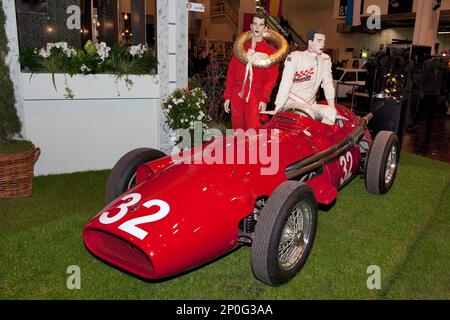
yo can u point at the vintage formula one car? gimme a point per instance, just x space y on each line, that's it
164 216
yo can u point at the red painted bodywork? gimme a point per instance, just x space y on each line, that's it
207 202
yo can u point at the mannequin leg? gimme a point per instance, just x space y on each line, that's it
251 115
237 114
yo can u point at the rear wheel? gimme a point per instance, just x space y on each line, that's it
382 163
123 175
284 233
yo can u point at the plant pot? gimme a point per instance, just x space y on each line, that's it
16 173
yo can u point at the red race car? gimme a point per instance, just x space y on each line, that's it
165 215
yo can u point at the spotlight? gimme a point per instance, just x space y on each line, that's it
394 4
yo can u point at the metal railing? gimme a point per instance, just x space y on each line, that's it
225 9
272 23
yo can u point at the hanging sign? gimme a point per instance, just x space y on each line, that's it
197 7
342 8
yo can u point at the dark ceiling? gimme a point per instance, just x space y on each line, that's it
408 21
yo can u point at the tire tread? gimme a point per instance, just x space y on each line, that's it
126 163
264 234
376 162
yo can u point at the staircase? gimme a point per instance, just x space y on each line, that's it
227 12
282 27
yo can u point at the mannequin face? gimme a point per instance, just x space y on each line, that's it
257 28
317 44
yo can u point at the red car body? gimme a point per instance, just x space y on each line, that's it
200 205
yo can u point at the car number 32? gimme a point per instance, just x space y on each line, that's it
347 163
131 226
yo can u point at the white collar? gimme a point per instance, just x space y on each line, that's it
313 54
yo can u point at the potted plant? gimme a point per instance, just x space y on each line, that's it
182 108
17 157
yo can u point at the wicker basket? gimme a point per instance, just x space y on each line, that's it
16 173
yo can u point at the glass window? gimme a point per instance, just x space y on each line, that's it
362 76
112 21
127 22
36 6
124 21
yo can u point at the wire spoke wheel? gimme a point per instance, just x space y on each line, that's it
132 181
391 165
284 233
295 236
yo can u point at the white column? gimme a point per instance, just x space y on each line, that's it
427 22
12 59
182 41
172 33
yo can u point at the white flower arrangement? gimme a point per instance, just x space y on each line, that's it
92 58
102 50
84 68
45 52
138 50
183 108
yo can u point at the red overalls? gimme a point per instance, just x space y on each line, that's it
245 115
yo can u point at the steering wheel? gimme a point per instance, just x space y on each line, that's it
300 112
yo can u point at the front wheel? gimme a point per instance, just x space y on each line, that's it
382 163
123 175
284 233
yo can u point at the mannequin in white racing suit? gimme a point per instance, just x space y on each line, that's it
303 72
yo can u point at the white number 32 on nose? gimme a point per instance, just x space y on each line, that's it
131 226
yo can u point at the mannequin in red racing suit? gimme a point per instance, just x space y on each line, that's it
250 96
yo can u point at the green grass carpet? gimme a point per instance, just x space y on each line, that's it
406 233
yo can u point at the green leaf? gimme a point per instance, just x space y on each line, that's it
90 48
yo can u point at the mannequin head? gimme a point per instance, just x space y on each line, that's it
316 41
258 27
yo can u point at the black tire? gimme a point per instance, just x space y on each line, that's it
385 150
121 175
274 217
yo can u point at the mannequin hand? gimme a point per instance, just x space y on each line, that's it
262 106
226 105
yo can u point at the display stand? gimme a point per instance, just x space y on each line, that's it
388 114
